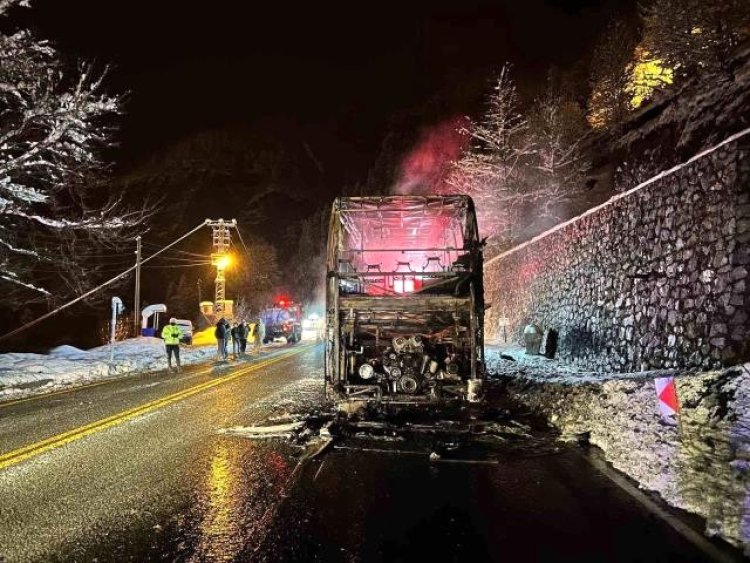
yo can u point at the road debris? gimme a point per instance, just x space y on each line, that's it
262 432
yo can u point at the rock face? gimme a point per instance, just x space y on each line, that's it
656 279
702 465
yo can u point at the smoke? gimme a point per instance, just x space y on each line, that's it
425 168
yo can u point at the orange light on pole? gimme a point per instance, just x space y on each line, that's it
221 261
224 262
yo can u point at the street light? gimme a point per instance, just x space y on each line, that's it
221 261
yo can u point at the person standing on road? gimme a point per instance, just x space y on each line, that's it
235 340
260 334
172 336
227 338
242 332
221 339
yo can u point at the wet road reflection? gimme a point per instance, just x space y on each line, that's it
242 487
165 486
220 537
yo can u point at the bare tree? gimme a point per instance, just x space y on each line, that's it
692 35
256 275
307 267
609 73
53 126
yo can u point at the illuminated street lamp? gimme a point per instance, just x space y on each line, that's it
221 261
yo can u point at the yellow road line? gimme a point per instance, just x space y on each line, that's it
41 396
21 454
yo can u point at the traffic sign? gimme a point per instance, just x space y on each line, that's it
666 392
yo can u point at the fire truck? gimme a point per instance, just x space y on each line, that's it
283 319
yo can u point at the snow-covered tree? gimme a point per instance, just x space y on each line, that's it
491 171
557 173
307 267
53 127
523 173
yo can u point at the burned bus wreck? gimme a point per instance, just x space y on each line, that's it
405 301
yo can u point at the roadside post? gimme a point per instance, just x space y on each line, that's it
504 323
117 309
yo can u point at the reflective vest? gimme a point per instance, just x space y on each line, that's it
171 334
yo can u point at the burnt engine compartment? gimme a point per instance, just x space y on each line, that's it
409 357
410 365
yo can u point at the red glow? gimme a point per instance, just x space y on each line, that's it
423 170
398 244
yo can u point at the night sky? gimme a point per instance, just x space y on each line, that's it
326 89
336 77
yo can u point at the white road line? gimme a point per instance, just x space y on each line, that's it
319 470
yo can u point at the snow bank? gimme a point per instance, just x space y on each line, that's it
702 465
23 374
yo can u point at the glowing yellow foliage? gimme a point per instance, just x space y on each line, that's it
599 112
647 74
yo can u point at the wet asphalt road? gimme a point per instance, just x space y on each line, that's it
166 486
403 507
116 494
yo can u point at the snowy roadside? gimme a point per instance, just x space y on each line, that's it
701 465
23 374
520 365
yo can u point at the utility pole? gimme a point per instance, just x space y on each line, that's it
137 300
222 241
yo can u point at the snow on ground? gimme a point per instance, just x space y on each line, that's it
518 364
23 374
701 465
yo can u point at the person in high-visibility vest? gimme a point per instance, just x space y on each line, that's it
172 336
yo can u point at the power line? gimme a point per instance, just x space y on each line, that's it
180 265
178 260
97 288
111 268
239 234
195 254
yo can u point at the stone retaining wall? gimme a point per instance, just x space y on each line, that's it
656 279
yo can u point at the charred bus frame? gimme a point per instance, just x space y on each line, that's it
404 300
